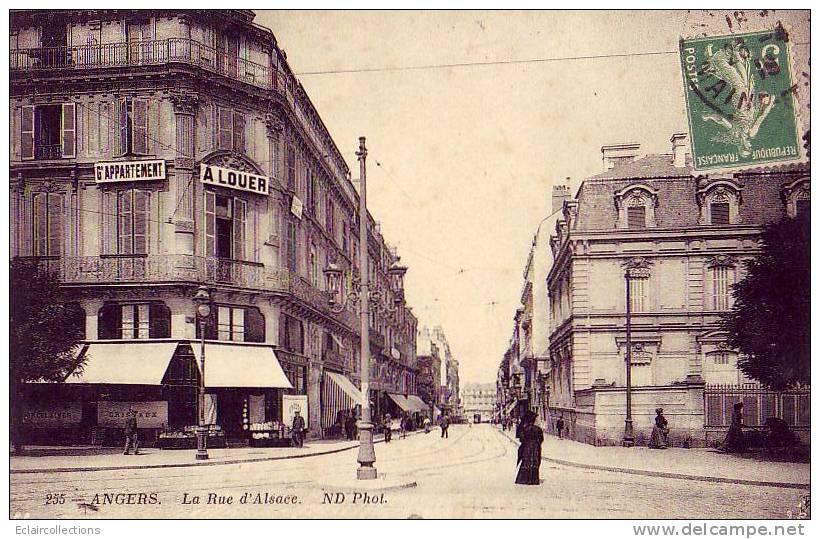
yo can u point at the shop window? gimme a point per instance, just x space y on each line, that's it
134 321
130 126
48 212
225 221
48 131
291 334
231 130
234 323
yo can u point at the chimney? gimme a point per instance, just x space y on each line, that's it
617 154
560 193
680 143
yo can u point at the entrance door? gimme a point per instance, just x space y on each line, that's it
229 414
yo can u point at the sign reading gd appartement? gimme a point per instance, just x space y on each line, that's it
739 98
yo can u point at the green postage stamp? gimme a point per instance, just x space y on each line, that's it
739 99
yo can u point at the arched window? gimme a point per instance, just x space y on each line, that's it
636 207
134 321
719 203
797 196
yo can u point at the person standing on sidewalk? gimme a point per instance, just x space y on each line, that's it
735 440
559 425
445 425
297 431
529 452
131 433
660 432
387 427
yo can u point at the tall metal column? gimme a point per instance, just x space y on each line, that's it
629 434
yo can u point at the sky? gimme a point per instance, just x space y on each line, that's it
462 160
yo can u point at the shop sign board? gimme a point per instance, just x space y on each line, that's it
129 171
292 404
150 414
234 179
740 100
52 414
296 207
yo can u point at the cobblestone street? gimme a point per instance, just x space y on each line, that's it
470 474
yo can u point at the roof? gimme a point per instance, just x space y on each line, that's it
650 166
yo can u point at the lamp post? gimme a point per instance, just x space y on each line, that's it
202 300
629 433
364 296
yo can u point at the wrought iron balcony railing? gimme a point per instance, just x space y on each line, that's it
140 53
48 151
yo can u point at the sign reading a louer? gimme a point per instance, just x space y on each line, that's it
234 179
129 171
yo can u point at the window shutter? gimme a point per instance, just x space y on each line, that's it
238 132
225 129
56 224
239 235
68 136
142 219
109 223
636 216
125 223
40 224
719 213
119 128
210 223
27 132
139 134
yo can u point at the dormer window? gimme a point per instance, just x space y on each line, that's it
797 196
719 203
636 207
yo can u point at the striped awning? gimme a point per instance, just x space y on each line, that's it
338 394
417 404
401 401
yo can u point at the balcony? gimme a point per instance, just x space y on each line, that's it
144 269
141 53
48 151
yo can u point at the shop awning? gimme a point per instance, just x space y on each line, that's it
401 401
236 365
510 407
134 363
338 395
417 404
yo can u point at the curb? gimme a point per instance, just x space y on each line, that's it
186 464
670 475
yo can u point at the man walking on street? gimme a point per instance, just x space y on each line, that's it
298 429
445 424
131 434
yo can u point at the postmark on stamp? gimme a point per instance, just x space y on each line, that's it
740 99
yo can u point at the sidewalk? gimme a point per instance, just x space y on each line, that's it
678 463
91 458
84 459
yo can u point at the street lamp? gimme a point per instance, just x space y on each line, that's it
202 300
364 296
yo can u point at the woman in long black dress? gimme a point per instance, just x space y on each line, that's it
529 452
735 441
660 431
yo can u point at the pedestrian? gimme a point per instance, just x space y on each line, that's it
529 452
560 426
297 429
131 433
519 424
735 441
660 432
445 425
387 427
405 425
350 425
426 424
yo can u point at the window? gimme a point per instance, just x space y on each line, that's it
47 224
290 163
225 222
134 321
345 246
297 377
636 217
133 214
719 212
311 200
313 270
231 130
329 221
720 358
290 244
720 288
291 334
48 131
637 294
130 126
234 323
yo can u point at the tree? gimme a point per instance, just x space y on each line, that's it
770 321
44 333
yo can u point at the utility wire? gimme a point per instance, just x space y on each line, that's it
490 63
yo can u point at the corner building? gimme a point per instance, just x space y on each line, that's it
156 151
690 233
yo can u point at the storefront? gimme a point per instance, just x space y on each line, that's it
339 397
